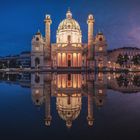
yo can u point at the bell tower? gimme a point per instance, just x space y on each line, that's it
37 59
100 51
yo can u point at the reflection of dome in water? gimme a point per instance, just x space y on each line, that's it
69 107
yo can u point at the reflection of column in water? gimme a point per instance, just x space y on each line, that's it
90 118
47 92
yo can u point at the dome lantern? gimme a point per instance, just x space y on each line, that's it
69 14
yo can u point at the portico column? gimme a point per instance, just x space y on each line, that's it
72 60
66 60
77 81
61 60
48 116
57 60
77 60
80 59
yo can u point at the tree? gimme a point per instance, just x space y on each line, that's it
1 64
12 63
120 60
136 59
122 81
125 59
136 80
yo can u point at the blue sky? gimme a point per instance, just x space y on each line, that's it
20 20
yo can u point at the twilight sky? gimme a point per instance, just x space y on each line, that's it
20 20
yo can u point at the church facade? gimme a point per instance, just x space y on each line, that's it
69 51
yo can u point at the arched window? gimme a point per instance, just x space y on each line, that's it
100 39
69 38
37 39
68 26
37 78
37 62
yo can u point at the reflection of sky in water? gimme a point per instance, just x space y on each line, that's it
119 116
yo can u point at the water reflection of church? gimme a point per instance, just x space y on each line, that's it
68 90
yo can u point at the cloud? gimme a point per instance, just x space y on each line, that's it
135 33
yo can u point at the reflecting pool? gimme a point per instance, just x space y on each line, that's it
69 106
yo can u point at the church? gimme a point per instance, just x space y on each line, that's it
69 51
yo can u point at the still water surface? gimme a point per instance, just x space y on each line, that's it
69 106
